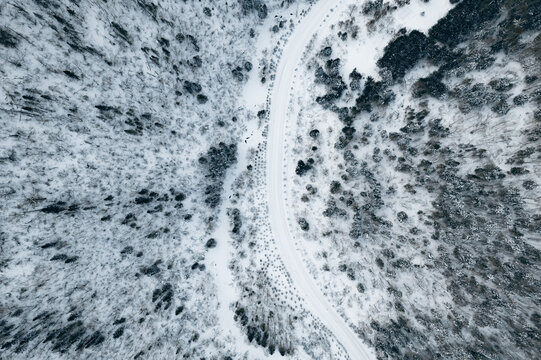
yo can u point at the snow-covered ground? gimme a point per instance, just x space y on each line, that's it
260 179
281 92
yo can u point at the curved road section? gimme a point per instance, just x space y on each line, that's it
314 298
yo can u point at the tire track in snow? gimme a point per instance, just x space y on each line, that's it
316 302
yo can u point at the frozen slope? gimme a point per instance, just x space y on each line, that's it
280 97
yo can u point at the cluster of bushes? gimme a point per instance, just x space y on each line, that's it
257 6
331 78
262 330
50 328
466 21
216 162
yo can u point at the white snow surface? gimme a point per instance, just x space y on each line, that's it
77 144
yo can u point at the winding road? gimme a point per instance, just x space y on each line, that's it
280 96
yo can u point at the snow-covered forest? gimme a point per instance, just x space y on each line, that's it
253 179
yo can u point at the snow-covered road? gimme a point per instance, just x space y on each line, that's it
280 96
